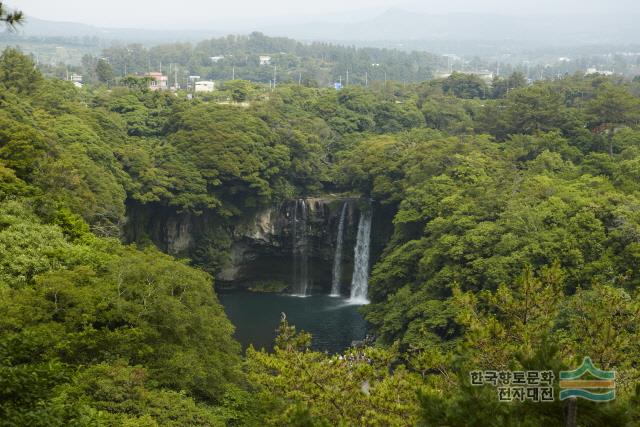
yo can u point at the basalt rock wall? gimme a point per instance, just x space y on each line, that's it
261 249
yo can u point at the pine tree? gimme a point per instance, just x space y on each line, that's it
11 19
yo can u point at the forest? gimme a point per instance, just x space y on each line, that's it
314 64
515 246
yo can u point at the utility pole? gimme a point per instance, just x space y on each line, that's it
233 73
275 70
366 79
347 83
299 78
175 76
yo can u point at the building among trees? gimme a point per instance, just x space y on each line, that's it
159 82
265 60
205 86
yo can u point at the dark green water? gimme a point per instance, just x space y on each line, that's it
332 322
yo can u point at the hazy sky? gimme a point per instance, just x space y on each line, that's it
189 14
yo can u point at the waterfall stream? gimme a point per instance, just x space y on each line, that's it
337 259
360 279
300 249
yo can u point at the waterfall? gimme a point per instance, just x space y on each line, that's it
360 279
300 249
337 259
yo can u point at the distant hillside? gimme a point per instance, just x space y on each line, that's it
35 27
543 29
389 45
391 25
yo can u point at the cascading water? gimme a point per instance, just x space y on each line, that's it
360 279
300 249
337 259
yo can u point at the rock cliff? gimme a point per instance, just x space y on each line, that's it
257 251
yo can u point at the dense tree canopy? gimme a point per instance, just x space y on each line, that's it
515 245
92 332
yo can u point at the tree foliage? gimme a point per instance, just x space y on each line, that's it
11 19
515 244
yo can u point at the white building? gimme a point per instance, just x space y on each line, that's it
215 59
76 79
205 86
485 75
265 60
441 74
592 71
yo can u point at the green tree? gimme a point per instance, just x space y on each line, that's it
501 86
531 110
296 386
240 90
18 72
104 71
139 83
446 114
465 86
236 153
76 314
612 106
10 18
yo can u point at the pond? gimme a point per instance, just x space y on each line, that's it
333 322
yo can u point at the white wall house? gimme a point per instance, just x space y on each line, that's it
205 86
76 79
592 71
265 59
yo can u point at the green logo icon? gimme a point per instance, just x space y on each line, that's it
599 387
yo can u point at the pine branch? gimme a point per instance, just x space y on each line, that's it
11 19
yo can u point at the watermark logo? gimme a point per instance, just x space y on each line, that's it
599 386
587 382
535 386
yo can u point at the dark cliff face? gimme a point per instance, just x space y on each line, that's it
258 250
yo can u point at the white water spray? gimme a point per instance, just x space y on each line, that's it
360 279
337 259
